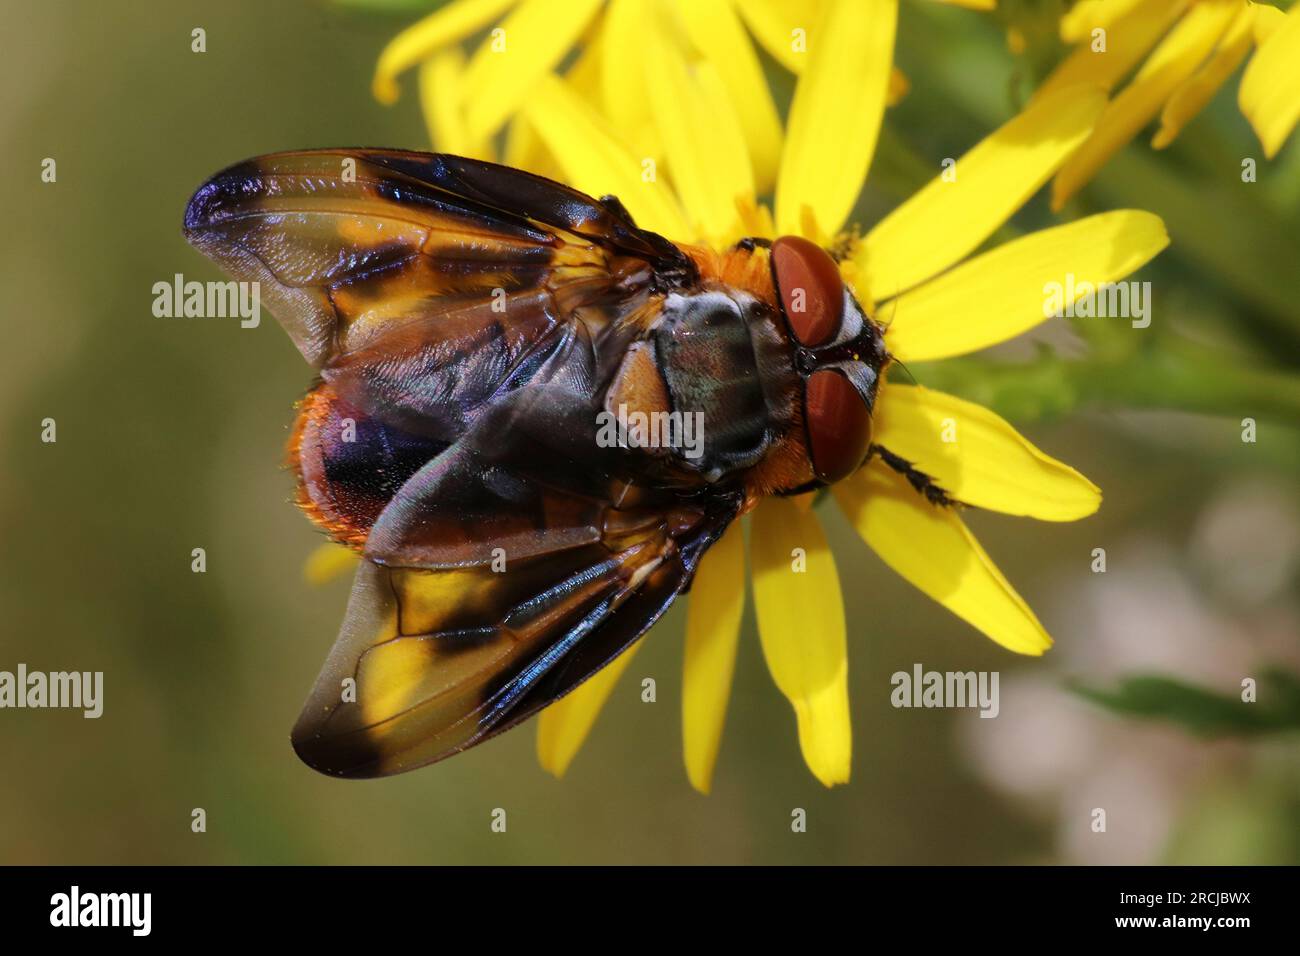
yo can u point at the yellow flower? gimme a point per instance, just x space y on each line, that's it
666 106
912 268
477 97
1191 48
468 101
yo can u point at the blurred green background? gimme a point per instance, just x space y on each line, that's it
170 437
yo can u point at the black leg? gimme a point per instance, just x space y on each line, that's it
918 479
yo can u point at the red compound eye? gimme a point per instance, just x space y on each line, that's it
811 290
839 425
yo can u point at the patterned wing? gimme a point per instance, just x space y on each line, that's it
430 662
514 564
347 243
464 318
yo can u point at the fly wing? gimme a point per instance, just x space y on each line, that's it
430 662
504 572
346 243
464 318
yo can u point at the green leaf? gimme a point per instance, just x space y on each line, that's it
1201 711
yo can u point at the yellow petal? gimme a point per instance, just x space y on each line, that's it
977 457
801 628
587 70
327 562
1127 40
442 100
594 161
564 725
946 220
713 612
931 548
1190 98
1080 20
624 99
1012 288
1172 62
702 136
717 33
524 149
971 4
825 159
1270 89
756 218
442 28
524 48
782 27
1268 19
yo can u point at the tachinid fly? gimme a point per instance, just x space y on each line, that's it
470 325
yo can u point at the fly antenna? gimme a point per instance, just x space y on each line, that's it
893 314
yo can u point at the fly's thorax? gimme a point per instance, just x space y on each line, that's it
774 362
711 380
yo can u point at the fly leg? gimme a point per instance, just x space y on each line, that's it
923 483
